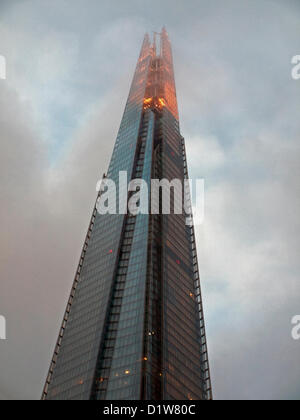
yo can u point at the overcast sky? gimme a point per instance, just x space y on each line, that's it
69 68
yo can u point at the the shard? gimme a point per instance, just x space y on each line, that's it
134 327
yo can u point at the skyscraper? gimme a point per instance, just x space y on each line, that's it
134 327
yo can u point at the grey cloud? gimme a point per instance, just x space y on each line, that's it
44 215
239 114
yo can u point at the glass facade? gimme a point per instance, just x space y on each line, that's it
133 327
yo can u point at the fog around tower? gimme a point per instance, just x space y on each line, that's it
68 74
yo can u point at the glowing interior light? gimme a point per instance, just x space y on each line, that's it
162 101
145 358
127 372
147 101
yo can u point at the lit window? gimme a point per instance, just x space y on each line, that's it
162 102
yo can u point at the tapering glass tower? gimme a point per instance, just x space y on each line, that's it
134 327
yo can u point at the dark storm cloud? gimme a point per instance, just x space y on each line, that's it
69 70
